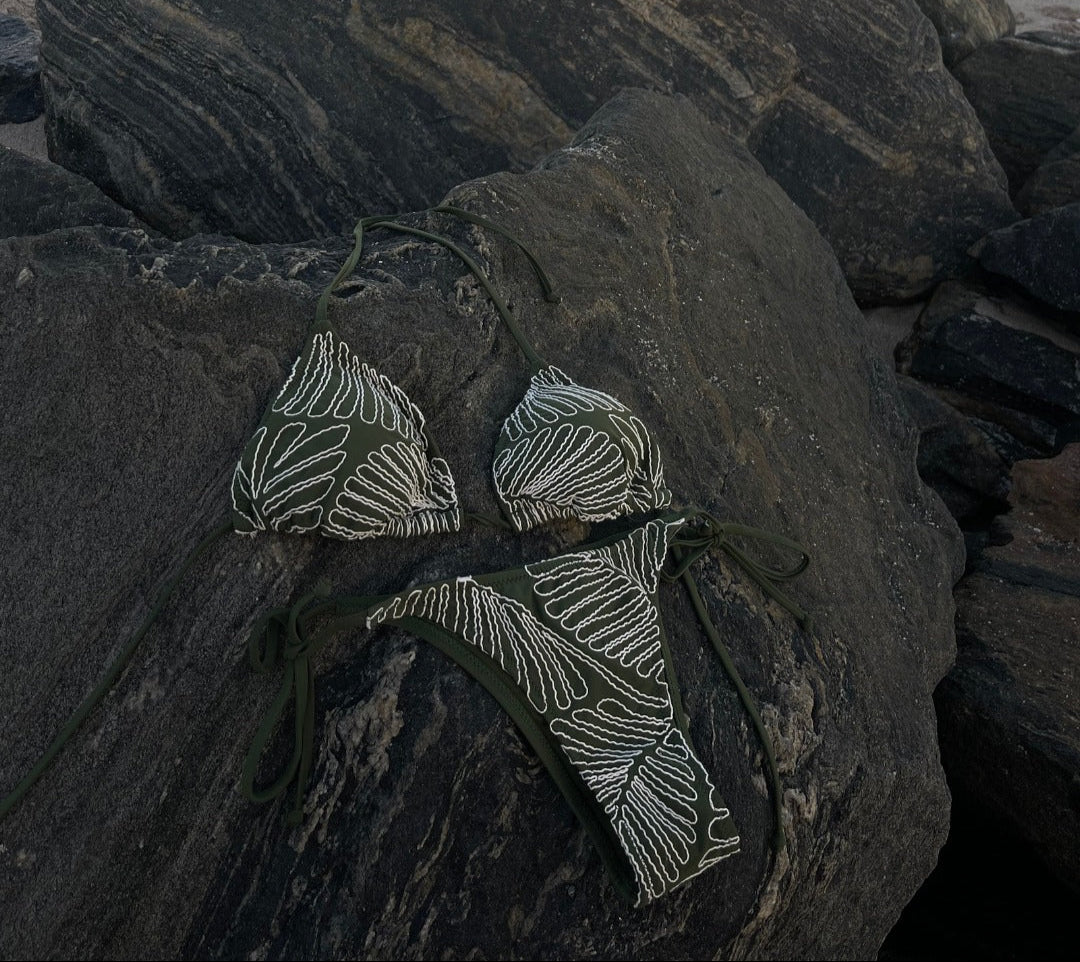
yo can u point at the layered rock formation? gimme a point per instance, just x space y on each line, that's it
694 291
253 121
1010 719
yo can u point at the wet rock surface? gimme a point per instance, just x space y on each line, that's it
431 829
20 78
1010 722
253 122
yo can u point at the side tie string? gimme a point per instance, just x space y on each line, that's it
114 671
689 545
285 637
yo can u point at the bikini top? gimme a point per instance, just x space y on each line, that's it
342 450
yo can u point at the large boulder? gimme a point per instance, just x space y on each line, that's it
1010 725
694 291
253 121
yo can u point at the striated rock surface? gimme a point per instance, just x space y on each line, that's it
964 25
282 127
957 457
20 78
1041 254
694 291
36 196
1010 719
1022 387
1027 96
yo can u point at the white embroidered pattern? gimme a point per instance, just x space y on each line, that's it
293 464
595 672
556 461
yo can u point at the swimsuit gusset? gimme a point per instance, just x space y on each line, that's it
574 649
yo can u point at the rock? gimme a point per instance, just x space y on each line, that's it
432 830
1010 723
36 196
1026 383
964 25
1056 182
1041 254
957 457
277 129
1027 96
20 79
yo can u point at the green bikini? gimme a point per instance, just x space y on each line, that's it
572 647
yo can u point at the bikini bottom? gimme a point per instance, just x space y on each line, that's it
574 649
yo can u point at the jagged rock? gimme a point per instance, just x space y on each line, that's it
1027 96
963 25
36 196
1010 724
280 127
431 829
20 78
1041 254
956 457
1056 182
1022 381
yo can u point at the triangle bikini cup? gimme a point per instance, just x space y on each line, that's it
579 665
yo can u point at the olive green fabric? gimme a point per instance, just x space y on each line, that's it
569 451
343 451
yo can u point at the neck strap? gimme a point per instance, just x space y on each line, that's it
390 223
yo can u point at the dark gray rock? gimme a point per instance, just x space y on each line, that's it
1027 96
249 120
20 77
432 830
36 196
964 25
1042 254
1010 725
1024 382
1056 182
957 457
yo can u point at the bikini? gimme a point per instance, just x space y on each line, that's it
572 647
